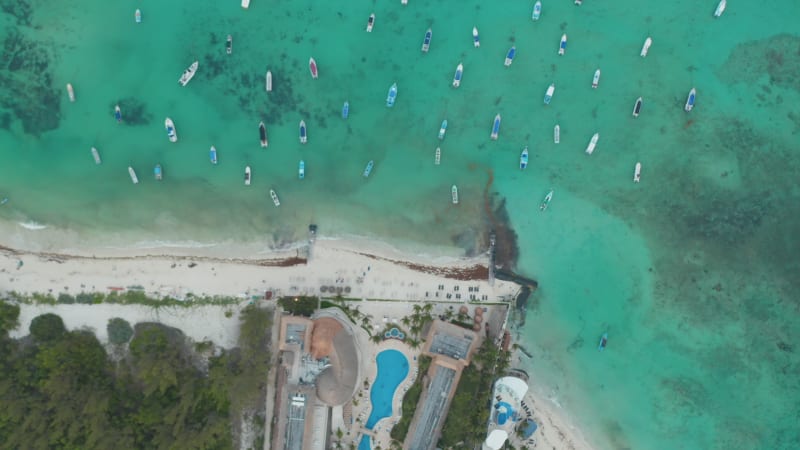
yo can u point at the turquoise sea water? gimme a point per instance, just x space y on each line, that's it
693 272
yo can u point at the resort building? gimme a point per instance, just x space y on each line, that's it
507 411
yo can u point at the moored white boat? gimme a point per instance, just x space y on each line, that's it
637 172
274 196
690 100
172 133
476 40
117 114
437 158
70 92
132 173
537 10
229 44
370 22
301 170
495 127
346 110
443 129
548 95
96 156
212 155
137 16
426 43
510 55
188 74
646 46
262 133
557 134
562 46
368 168
458 74
303 132
523 159
247 176
592 144
312 67
157 173
546 202
603 342
454 194
720 8
269 81
596 79
392 96
637 107
245 4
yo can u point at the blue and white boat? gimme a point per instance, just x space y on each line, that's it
496 127
392 96
548 95
457 77
720 8
476 40
137 16
546 202
368 169
426 43
510 55
690 100
537 10
301 170
443 129
345 110
275 200
172 133
212 155
117 114
303 132
603 341
562 46
158 173
523 159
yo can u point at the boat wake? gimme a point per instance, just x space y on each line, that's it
32 225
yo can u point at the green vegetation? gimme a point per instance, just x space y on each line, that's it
410 401
119 331
61 390
465 426
130 296
299 306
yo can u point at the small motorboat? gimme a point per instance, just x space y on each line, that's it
720 8
274 196
188 74
247 176
4 201
303 132
70 92
245 4
546 202
132 173
117 114
157 173
229 44
562 46
312 67
370 22
523 159
458 74
426 43
454 194
368 169
537 10
476 40
495 127
212 155
96 156
556 134
637 107
603 341
137 16
596 79
592 143
437 157
579 2
346 110
443 129
548 95
403 2
392 96
172 133
690 100
646 46
637 172
269 81
510 55
301 170
262 132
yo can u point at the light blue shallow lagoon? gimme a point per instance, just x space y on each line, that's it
693 272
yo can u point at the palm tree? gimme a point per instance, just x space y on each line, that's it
428 308
413 343
417 308
376 338
405 321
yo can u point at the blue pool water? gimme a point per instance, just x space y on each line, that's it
392 369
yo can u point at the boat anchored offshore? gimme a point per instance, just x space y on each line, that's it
637 107
137 16
495 127
96 156
70 92
443 129
454 194
523 159
562 46
275 200
557 134
720 8
157 173
172 133
537 10
637 172
269 81
303 132
592 144
546 202
596 79
603 341
437 158
117 114
548 95
132 173
476 40
690 100
188 74
262 132
458 74
368 169
346 110
301 170
245 4
229 44
510 55
312 67
646 46
370 22
392 96
426 43
247 176
212 155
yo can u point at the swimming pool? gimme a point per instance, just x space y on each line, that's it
392 370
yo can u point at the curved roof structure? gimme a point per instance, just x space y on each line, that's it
495 440
512 386
337 384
